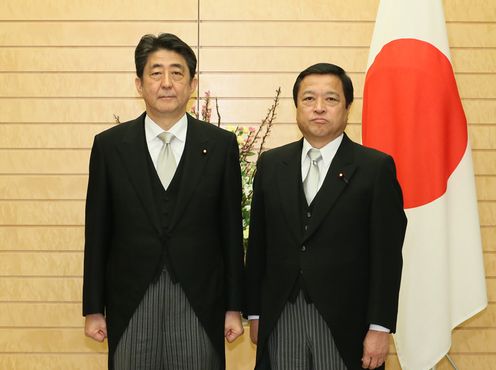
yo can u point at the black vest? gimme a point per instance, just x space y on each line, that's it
165 202
305 212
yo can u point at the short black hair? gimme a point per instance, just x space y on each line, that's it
151 43
326 69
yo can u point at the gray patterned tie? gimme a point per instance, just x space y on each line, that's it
166 163
311 183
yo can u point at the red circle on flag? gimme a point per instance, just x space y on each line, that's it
412 111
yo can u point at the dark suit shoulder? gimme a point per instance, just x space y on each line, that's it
209 129
365 153
283 151
121 129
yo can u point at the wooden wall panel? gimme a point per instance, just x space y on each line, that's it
471 34
463 361
43 187
491 289
68 110
275 34
283 59
44 361
483 137
488 234
32 161
46 136
480 111
485 319
66 212
50 315
325 34
486 187
321 10
484 162
295 59
490 264
68 85
41 238
42 263
47 340
67 59
487 213
87 34
41 289
472 11
91 10
318 10
473 340
263 84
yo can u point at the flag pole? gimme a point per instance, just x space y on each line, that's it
452 363
450 360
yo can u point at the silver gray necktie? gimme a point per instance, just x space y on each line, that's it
166 163
311 183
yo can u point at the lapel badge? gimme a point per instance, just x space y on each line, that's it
343 177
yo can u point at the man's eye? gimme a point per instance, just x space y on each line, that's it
177 75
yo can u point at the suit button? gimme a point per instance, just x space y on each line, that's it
303 248
309 214
306 227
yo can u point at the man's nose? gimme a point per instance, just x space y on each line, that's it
166 80
319 105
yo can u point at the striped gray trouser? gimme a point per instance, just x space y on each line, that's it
165 334
302 340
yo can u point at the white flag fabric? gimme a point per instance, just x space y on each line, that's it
412 110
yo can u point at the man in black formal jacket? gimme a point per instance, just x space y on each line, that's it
327 226
163 258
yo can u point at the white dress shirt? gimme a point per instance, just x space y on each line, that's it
154 143
327 152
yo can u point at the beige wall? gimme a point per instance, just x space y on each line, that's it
67 66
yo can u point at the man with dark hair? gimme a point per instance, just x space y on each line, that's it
327 226
163 259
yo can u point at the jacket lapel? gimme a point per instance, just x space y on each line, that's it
337 179
288 179
196 153
134 151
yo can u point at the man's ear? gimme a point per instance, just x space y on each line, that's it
139 86
194 84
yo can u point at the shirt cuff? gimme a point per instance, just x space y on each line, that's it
253 317
379 328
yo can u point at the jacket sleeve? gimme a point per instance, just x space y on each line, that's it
387 231
232 231
97 233
255 258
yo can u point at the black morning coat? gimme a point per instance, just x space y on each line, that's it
351 264
126 247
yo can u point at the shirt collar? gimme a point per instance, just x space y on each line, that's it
328 151
152 130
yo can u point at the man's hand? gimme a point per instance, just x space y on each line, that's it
254 331
233 327
95 327
375 349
